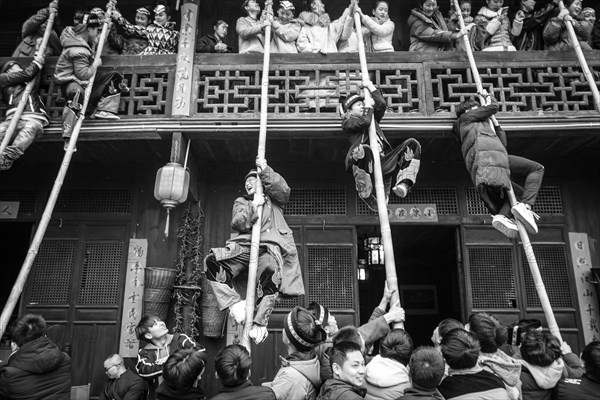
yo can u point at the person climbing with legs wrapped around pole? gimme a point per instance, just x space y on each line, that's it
399 165
278 264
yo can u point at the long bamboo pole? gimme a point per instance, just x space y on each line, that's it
29 87
533 265
582 62
382 210
60 177
262 144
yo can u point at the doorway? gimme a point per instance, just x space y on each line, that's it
428 276
14 243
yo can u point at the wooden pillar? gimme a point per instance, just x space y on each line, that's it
184 72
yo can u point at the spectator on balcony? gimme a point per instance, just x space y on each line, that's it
595 39
588 387
250 28
428 29
379 28
533 23
319 34
399 165
285 29
114 41
161 34
134 44
215 42
499 30
491 167
13 80
476 34
76 66
33 30
556 35
589 14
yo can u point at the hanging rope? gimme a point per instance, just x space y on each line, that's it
45 220
533 265
262 142
28 89
382 210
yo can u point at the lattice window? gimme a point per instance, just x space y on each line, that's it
552 262
549 201
27 199
324 201
445 199
474 204
101 272
492 277
117 201
50 281
330 277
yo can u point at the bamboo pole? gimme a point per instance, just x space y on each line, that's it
262 143
533 265
382 210
29 87
45 220
584 65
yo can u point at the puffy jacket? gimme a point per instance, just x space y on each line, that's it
379 35
129 386
250 35
499 28
39 370
537 382
385 379
428 33
146 365
13 86
33 29
506 368
283 39
319 33
586 388
334 389
533 26
416 393
298 378
556 35
473 384
166 392
245 391
75 61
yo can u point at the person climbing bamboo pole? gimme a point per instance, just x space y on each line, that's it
45 220
533 265
582 62
27 92
262 143
382 210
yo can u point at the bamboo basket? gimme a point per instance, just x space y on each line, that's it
213 320
159 278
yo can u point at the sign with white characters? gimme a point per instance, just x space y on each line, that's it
408 213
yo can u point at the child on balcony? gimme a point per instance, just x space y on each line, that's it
379 28
399 165
135 44
251 27
533 23
498 27
114 41
285 29
215 43
556 35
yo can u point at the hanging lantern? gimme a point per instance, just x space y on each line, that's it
171 187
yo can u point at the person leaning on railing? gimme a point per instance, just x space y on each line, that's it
319 34
556 35
286 29
135 44
499 28
250 28
533 23
215 42
379 28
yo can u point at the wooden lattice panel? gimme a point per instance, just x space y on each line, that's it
549 201
27 199
117 201
100 273
325 201
492 277
50 281
552 262
445 199
330 277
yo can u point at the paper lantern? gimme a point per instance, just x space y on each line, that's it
171 187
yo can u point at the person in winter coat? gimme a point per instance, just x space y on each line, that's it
161 33
298 378
232 365
286 29
386 375
134 44
428 29
182 372
215 42
466 379
33 31
556 35
114 41
476 34
588 387
534 21
499 29
278 264
122 383
348 369
491 334
13 80
426 368
379 28
319 34
250 29
491 167
37 369
399 165
589 14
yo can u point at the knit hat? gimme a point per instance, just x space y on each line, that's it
7 65
89 20
350 100
286 5
303 335
517 330
143 10
98 11
321 313
160 8
589 11
250 173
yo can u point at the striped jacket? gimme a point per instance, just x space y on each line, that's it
146 365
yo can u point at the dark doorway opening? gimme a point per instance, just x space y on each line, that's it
428 276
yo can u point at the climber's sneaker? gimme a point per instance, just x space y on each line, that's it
401 190
105 115
238 311
524 215
505 225
258 333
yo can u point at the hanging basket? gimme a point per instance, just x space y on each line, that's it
157 295
213 320
160 310
160 278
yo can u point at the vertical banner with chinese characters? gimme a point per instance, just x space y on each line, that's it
182 92
586 292
132 296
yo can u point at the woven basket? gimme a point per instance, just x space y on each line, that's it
160 310
213 320
157 295
160 278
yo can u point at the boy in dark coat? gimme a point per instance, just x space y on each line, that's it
215 43
122 383
588 387
13 80
278 263
182 372
490 166
348 368
426 370
399 165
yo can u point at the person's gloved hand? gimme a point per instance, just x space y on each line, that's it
258 333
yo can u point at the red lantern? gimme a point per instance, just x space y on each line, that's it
171 187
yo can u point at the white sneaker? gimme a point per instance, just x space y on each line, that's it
258 333
401 190
105 115
238 311
524 215
505 225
